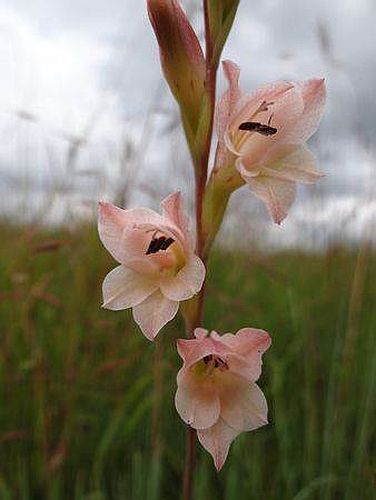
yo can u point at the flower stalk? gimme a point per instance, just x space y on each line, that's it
194 318
261 143
193 311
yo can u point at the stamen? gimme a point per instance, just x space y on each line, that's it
253 126
166 243
220 363
259 128
217 362
264 106
157 244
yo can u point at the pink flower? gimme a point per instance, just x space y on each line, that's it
264 134
158 267
217 394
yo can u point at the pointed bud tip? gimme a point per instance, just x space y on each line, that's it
181 54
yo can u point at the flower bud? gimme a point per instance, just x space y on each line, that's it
222 183
182 59
221 17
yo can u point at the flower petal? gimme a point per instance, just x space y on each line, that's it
113 220
172 209
247 341
144 266
286 111
277 194
197 400
229 99
243 404
137 239
135 242
293 163
123 288
247 345
217 440
248 105
193 350
187 282
153 313
314 96
200 333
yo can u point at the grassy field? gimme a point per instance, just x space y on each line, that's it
87 402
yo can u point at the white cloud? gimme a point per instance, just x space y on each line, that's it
54 78
67 61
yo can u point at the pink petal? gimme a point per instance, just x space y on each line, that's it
314 95
247 341
229 99
247 345
249 104
217 440
200 333
172 209
197 400
243 404
154 313
277 194
193 350
123 288
135 242
224 110
113 220
143 265
136 239
187 282
292 163
286 111
111 223
187 348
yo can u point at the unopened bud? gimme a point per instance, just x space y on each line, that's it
221 17
182 57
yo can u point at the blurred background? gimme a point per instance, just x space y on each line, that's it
87 407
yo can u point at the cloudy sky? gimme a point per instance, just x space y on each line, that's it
81 91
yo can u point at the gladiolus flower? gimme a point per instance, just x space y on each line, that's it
217 393
264 134
158 266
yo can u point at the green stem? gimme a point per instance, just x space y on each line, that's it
222 183
194 312
190 462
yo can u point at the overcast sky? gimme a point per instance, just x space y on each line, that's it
72 68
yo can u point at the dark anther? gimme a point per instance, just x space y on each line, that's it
220 363
152 247
264 106
166 243
258 127
161 243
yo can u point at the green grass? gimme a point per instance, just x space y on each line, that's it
87 406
